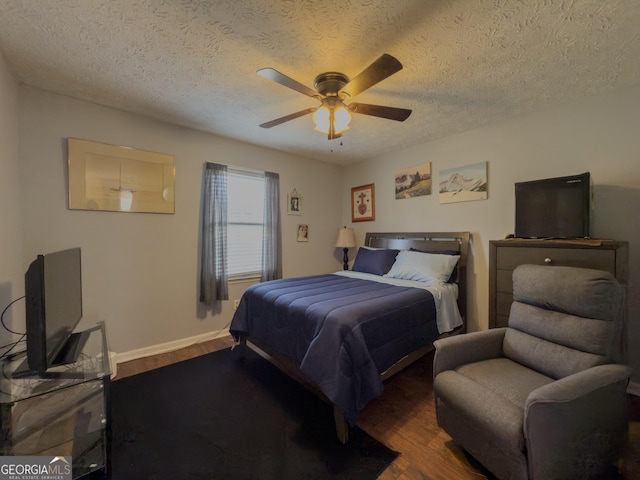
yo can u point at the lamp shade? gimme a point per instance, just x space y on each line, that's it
332 115
341 118
346 238
321 119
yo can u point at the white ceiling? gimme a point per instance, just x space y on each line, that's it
467 63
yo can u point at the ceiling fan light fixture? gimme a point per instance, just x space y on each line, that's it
332 119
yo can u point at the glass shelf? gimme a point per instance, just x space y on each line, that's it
63 411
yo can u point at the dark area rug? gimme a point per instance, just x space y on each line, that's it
223 417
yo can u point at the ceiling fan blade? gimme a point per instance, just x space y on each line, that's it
282 79
383 67
390 113
286 118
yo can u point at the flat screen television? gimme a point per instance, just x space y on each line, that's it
554 207
53 295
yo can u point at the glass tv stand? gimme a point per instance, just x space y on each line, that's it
63 412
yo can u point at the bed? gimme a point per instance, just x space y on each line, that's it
342 334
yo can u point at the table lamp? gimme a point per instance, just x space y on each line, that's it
346 240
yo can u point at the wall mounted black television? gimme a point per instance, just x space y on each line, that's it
53 296
554 207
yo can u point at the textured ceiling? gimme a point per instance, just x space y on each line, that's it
193 62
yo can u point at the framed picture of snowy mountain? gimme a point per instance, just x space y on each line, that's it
464 184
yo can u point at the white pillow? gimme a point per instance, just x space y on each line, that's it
423 267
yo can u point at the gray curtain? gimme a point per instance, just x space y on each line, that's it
271 239
214 282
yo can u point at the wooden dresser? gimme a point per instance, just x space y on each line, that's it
506 255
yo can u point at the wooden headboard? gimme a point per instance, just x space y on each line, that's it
431 241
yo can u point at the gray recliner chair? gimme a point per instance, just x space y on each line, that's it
542 398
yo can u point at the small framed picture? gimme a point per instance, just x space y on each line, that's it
303 233
294 203
363 208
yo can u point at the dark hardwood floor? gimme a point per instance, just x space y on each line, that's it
404 419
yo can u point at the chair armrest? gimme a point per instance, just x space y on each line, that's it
575 427
452 352
579 384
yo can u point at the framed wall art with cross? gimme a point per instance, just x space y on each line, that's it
363 207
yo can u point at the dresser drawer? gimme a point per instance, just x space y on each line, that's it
508 258
503 303
504 281
501 321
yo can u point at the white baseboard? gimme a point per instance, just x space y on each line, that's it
168 346
634 388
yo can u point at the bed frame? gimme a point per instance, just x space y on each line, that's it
428 241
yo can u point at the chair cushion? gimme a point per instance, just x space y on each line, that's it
583 292
490 396
506 378
571 318
587 335
548 358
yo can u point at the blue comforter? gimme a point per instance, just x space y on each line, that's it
343 332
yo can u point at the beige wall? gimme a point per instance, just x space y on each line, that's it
11 262
140 271
599 135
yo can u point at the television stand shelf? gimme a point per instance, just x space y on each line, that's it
63 412
505 255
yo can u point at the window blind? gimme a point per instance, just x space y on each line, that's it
245 222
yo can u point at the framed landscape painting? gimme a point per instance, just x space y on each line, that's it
413 181
464 184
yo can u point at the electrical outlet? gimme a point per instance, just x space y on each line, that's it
236 302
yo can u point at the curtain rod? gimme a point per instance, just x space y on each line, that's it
243 169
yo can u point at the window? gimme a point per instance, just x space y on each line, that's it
241 229
245 223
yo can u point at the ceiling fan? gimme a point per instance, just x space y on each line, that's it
332 89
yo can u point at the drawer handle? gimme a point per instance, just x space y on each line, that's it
547 260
